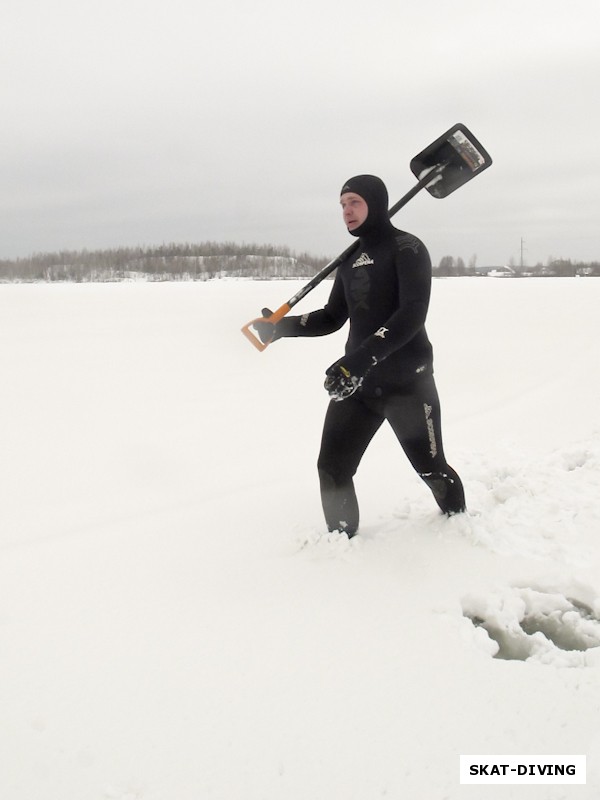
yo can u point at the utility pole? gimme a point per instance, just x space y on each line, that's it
522 248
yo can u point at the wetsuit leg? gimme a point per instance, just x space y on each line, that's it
348 429
415 418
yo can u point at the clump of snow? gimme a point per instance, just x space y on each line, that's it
176 623
542 626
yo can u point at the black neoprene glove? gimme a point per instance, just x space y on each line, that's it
346 375
267 331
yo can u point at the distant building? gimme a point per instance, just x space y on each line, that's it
496 272
502 272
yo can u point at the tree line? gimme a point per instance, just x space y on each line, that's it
203 261
212 260
449 266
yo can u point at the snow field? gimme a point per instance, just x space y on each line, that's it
175 623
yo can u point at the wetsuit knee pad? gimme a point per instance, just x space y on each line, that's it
447 490
333 476
326 480
437 482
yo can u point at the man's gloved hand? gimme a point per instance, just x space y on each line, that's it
346 375
267 331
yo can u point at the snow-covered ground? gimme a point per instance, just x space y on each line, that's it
174 623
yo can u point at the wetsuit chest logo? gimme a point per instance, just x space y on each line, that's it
364 260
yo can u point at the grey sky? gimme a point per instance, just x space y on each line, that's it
140 122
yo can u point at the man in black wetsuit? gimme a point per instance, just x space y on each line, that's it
386 373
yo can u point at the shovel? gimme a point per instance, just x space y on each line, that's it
441 168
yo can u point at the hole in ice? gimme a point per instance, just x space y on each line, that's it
523 624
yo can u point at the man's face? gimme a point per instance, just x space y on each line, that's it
354 210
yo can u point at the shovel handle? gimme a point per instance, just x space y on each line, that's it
273 319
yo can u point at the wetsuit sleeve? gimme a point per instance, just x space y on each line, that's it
413 271
321 322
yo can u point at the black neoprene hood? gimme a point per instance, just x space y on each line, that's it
373 191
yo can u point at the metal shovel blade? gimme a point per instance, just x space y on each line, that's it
462 155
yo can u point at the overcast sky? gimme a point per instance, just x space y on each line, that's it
130 122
